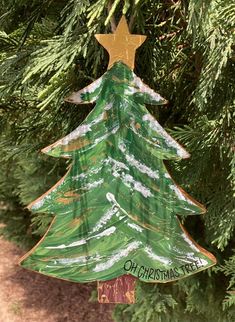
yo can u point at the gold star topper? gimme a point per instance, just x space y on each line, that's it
121 45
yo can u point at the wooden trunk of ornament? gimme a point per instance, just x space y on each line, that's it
116 208
117 290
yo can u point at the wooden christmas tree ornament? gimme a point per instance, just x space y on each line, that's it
116 208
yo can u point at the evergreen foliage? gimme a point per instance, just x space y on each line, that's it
47 49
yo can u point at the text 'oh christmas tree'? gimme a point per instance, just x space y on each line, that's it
116 208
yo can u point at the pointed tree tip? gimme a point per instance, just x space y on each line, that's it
29 206
68 99
44 150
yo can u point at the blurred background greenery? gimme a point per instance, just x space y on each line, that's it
48 49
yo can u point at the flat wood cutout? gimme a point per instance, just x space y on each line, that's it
116 208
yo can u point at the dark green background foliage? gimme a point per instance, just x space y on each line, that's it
48 49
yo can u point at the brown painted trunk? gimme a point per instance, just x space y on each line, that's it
117 290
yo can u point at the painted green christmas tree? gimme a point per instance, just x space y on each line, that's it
116 208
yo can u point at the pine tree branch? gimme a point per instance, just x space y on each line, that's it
132 20
112 19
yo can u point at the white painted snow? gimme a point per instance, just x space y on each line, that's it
142 88
79 176
138 186
108 106
154 256
80 131
154 125
85 175
166 175
111 198
105 218
137 164
189 242
202 261
76 97
179 194
190 258
38 204
117 257
113 131
136 227
128 180
81 259
190 210
141 167
130 90
146 89
92 185
76 260
116 164
74 244
106 232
